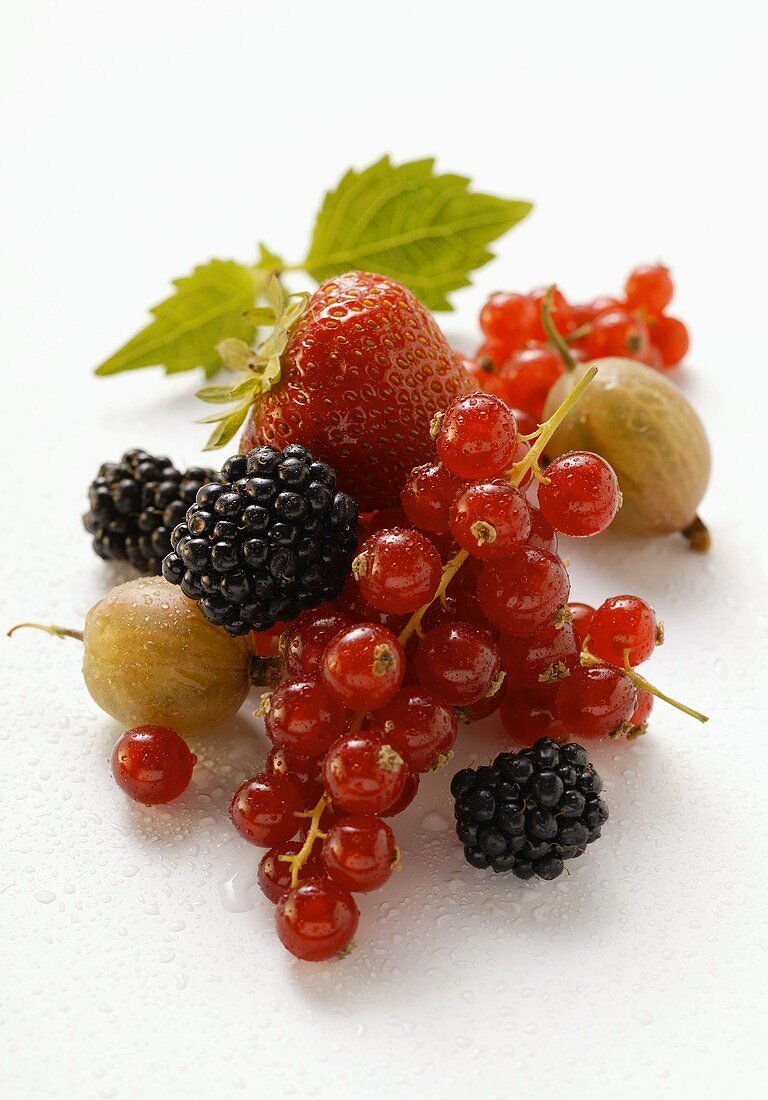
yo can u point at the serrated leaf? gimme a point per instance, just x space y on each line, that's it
207 307
425 230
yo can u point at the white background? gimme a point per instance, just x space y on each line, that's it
135 960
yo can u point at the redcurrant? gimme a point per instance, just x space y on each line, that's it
523 593
363 666
427 496
529 715
458 662
543 536
360 853
623 623
419 726
581 494
477 436
490 518
275 873
263 809
304 717
618 333
596 702
363 774
509 319
409 792
581 620
670 338
649 288
152 764
547 656
398 570
306 638
530 374
317 920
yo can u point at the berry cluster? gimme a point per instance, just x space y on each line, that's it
529 811
517 363
272 536
136 503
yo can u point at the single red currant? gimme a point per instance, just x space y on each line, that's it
543 536
671 340
524 593
618 333
306 638
586 314
581 620
427 496
477 436
360 853
363 774
398 570
490 518
530 374
152 764
458 662
275 873
263 809
561 311
304 717
624 623
302 772
529 715
509 319
581 494
596 702
544 657
642 712
317 920
363 666
419 726
483 708
409 792
649 288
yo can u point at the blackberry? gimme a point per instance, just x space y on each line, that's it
271 538
136 503
529 811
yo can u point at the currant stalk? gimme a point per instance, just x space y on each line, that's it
298 860
588 659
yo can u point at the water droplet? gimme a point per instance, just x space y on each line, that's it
435 822
234 892
45 896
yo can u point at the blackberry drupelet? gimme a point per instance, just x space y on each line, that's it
136 503
272 538
529 811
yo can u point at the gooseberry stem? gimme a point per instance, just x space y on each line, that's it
588 660
697 534
553 336
298 860
265 671
56 631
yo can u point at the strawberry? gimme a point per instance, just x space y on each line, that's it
364 371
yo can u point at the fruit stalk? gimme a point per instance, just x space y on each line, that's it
56 631
588 659
298 860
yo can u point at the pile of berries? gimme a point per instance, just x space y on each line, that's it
456 606
518 364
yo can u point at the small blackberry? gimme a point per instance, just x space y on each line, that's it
272 538
530 810
136 503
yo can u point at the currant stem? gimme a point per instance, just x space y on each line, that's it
56 631
297 861
450 569
516 473
589 660
553 336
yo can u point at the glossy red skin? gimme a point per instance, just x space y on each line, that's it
275 874
304 717
582 494
585 314
302 772
526 659
671 340
582 619
543 536
363 774
478 436
401 572
529 375
457 662
529 715
618 333
498 504
643 709
623 622
510 319
359 853
419 726
262 809
317 920
365 370
523 594
350 662
595 702
152 764
406 797
306 638
428 494
497 354
649 287
562 313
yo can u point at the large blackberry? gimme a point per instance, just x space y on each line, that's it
136 503
274 537
530 810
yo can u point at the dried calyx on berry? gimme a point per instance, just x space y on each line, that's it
136 503
529 811
271 538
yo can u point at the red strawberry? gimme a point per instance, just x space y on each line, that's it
365 370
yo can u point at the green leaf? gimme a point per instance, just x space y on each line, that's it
228 426
260 315
207 307
425 230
